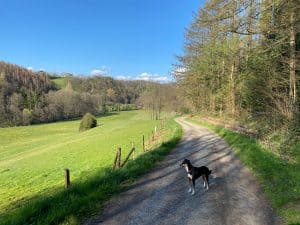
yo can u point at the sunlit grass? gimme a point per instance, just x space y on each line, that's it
33 158
60 81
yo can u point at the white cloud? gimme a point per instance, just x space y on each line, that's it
153 77
34 70
97 72
103 70
122 77
146 77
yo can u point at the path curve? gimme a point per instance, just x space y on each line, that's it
161 197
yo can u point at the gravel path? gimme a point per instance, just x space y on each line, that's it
161 197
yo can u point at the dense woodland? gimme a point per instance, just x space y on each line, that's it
241 61
28 97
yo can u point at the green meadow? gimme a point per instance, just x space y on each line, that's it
33 158
60 81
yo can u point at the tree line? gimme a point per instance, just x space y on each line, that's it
241 60
28 97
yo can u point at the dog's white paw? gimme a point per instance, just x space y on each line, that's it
190 190
204 184
193 192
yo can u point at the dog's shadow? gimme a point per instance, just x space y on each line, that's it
216 181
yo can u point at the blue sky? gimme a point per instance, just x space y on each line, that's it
122 38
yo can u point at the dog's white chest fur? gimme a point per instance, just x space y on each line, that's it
187 170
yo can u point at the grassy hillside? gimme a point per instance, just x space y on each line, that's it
33 158
280 179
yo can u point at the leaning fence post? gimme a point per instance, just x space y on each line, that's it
67 178
128 156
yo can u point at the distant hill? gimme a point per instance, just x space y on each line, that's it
21 90
22 80
28 97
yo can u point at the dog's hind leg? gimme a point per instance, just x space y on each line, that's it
204 183
193 191
207 181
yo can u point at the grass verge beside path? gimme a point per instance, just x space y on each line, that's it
86 197
280 180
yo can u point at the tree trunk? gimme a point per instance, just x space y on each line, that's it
232 89
233 66
251 25
292 60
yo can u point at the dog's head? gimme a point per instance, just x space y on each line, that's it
185 162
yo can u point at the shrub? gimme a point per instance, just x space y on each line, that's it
88 121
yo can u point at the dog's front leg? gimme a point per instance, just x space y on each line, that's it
190 185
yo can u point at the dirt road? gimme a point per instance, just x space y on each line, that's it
161 197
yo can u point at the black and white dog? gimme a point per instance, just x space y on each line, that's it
195 172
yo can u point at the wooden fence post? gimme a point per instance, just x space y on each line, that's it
117 161
132 147
152 135
67 178
143 143
119 157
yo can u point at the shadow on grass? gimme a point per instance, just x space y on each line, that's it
280 179
74 119
108 114
86 197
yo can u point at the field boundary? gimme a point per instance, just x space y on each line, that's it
156 133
